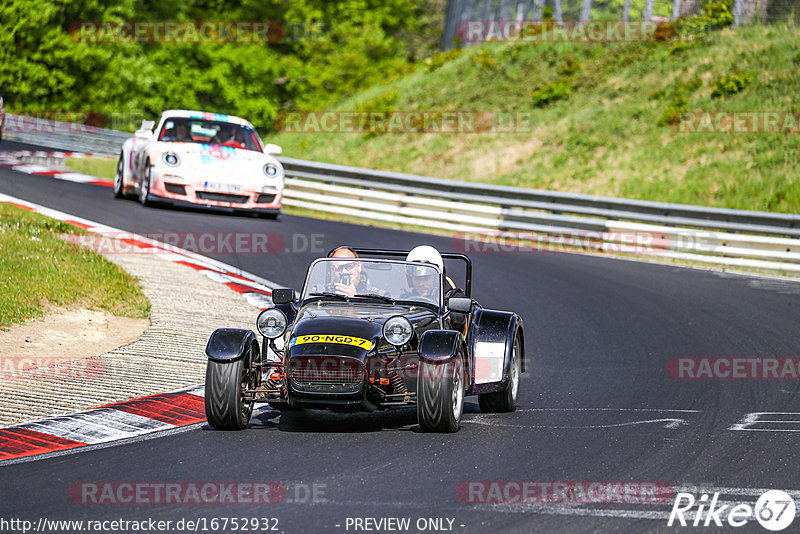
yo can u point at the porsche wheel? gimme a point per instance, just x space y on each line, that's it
144 190
440 396
506 400
225 402
119 183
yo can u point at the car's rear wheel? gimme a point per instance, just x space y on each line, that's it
119 183
440 396
144 190
506 400
227 408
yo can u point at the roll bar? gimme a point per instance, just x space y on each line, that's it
403 253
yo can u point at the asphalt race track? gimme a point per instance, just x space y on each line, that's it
597 402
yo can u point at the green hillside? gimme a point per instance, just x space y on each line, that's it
604 119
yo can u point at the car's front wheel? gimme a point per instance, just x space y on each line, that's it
227 407
144 189
440 395
119 184
506 400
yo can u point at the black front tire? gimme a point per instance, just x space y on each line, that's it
144 189
119 186
505 401
440 396
226 408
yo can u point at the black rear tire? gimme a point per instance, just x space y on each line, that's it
440 396
505 401
226 408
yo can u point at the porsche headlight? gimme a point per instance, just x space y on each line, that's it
171 159
271 323
271 170
397 330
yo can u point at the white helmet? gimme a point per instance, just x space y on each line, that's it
428 254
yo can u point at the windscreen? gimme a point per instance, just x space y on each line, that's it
185 130
351 277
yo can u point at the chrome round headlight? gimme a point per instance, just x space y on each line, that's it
397 330
171 159
271 170
271 323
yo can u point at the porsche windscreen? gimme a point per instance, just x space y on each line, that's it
372 279
185 130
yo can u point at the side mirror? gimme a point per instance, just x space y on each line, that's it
459 304
272 150
282 296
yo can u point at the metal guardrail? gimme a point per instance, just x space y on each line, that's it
515 201
481 214
63 135
484 214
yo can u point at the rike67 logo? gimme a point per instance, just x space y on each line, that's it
774 510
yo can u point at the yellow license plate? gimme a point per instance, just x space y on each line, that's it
328 338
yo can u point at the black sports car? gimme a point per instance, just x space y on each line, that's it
369 333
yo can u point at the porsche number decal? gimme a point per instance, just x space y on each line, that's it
327 338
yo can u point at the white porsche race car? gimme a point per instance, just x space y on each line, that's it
201 159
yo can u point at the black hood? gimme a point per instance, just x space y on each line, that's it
347 329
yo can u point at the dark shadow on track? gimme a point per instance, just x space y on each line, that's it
202 209
324 421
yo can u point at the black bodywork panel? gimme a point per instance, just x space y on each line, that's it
492 326
229 344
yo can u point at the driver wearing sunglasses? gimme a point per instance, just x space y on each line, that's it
349 278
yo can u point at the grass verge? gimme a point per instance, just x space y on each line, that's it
100 168
37 267
599 119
